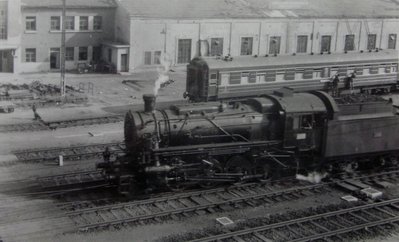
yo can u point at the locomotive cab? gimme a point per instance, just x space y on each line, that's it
305 115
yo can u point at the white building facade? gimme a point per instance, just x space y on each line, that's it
183 35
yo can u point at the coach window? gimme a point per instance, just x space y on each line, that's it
244 77
373 70
381 68
252 77
224 79
260 77
289 75
246 45
317 73
325 72
388 68
308 74
359 71
394 67
392 41
270 76
366 70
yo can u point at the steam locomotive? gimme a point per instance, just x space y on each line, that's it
223 78
215 142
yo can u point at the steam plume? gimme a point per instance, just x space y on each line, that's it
313 177
162 73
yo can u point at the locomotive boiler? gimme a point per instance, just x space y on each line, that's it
215 142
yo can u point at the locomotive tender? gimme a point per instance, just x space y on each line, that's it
217 78
213 142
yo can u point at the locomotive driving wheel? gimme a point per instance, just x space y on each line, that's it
239 164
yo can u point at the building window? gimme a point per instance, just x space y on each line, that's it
246 45
325 43
30 55
274 46
302 44
371 41
147 57
157 57
349 42
392 41
30 23
84 23
69 53
70 23
82 53
184 51
55 23
97 23
216 46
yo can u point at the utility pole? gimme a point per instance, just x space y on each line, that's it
62 84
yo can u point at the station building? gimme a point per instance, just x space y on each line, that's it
10 35
131 35
186 28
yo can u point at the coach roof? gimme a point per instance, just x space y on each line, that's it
298 60
247 9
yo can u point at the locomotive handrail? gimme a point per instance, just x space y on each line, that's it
205 148
219 136
221 129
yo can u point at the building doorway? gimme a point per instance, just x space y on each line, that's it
6 61
184 51
124 67
55 58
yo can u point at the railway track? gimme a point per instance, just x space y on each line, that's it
187 204
70 153
39 125
206 201
324 226
72 180
34 126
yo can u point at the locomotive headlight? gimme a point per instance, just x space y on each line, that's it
281 113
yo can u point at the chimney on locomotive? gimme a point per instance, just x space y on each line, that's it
149 103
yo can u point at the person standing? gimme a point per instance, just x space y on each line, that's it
335 85
106 155
35 114
350 80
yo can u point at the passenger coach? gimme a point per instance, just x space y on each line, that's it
217 78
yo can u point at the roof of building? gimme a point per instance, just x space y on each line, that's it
222 9
69 3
